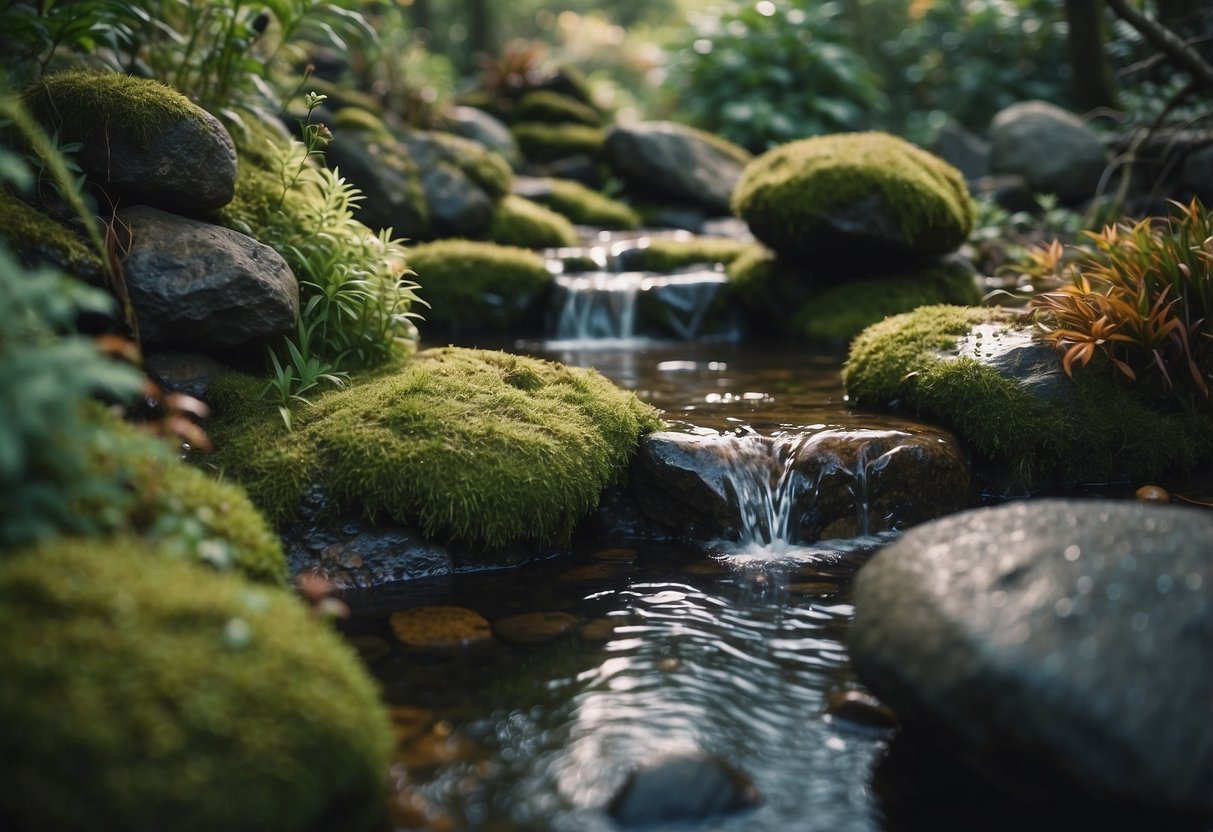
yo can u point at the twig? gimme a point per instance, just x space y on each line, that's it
1166 41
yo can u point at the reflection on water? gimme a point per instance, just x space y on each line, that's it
732 658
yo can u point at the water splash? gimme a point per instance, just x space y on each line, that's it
604 305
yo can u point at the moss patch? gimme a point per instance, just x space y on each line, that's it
144 693
479 447
790 196
1104 431
485 167
550 107
587 207
82 105
520 222
40 239
667 255
541 142
480 286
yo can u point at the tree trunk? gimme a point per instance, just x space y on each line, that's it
1091 76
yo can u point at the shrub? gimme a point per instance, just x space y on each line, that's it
478 447
520 222
147 693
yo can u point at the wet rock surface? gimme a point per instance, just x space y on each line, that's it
1069 638
681 787
212 287
841 483
672 161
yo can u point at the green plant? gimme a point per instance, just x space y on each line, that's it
1140 295
767 73
34 32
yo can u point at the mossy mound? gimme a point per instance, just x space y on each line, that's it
40 240
585 206
478 447
520 222
542 142
668 255
475 286
1101 430
549 107
858 195
146 693
486 168
842 311
69 101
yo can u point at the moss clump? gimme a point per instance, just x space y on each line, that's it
520 222
1104 431
668 255
842 311
485 167
82 105
585 206
39 239
479 447
541 142
480 286
887 194
548 107
145 693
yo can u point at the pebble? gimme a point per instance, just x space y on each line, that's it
623 555
535 627
1153 494
860 710
440 628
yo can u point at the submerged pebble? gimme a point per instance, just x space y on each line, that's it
535 627
440 628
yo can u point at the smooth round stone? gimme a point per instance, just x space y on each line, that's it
859 710
440 628
681 787
600 629
535 627
1153 494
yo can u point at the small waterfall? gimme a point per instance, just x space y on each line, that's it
597 305
760 473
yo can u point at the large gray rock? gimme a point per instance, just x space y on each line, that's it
458 205
681 787
828 484
196 283
1074 637
674 162
1053 149
488 130
388 179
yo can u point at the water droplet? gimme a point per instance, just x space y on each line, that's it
1084 584
1139 622
1163 584
1193 580
836 744
1063 607
1073 553
1113 591
998 599
237 633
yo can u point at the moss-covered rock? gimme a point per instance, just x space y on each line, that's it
668 255
542 142
480 287
549 107
840 312
854 195
142 141
582 205
1036 429
40 240
146 693
520 222
476 447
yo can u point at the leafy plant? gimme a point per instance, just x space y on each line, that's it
1140 295
34 32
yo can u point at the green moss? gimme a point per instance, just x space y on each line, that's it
82 105
1104 431
547 142
726 147
146 693
38 238
842 311
548 107
788 194
479 447
361 120
520 222
668 255
485 167
587 207
480 286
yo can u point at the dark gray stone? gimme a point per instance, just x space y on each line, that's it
1071 637
389 181
681 787
188 166
197 283
837 484
963 150
488 130
182 372
1017 354
458 207
1053 149
670 161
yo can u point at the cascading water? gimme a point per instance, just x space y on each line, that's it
760 474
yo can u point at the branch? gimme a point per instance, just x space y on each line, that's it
1166 41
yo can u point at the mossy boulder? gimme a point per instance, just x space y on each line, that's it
520 222
858 196
664 254
980 373
145 693
542 142
579 204
38 239
476 447
480 287
142 141
550 107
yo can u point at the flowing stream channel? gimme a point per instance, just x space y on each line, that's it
732 649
